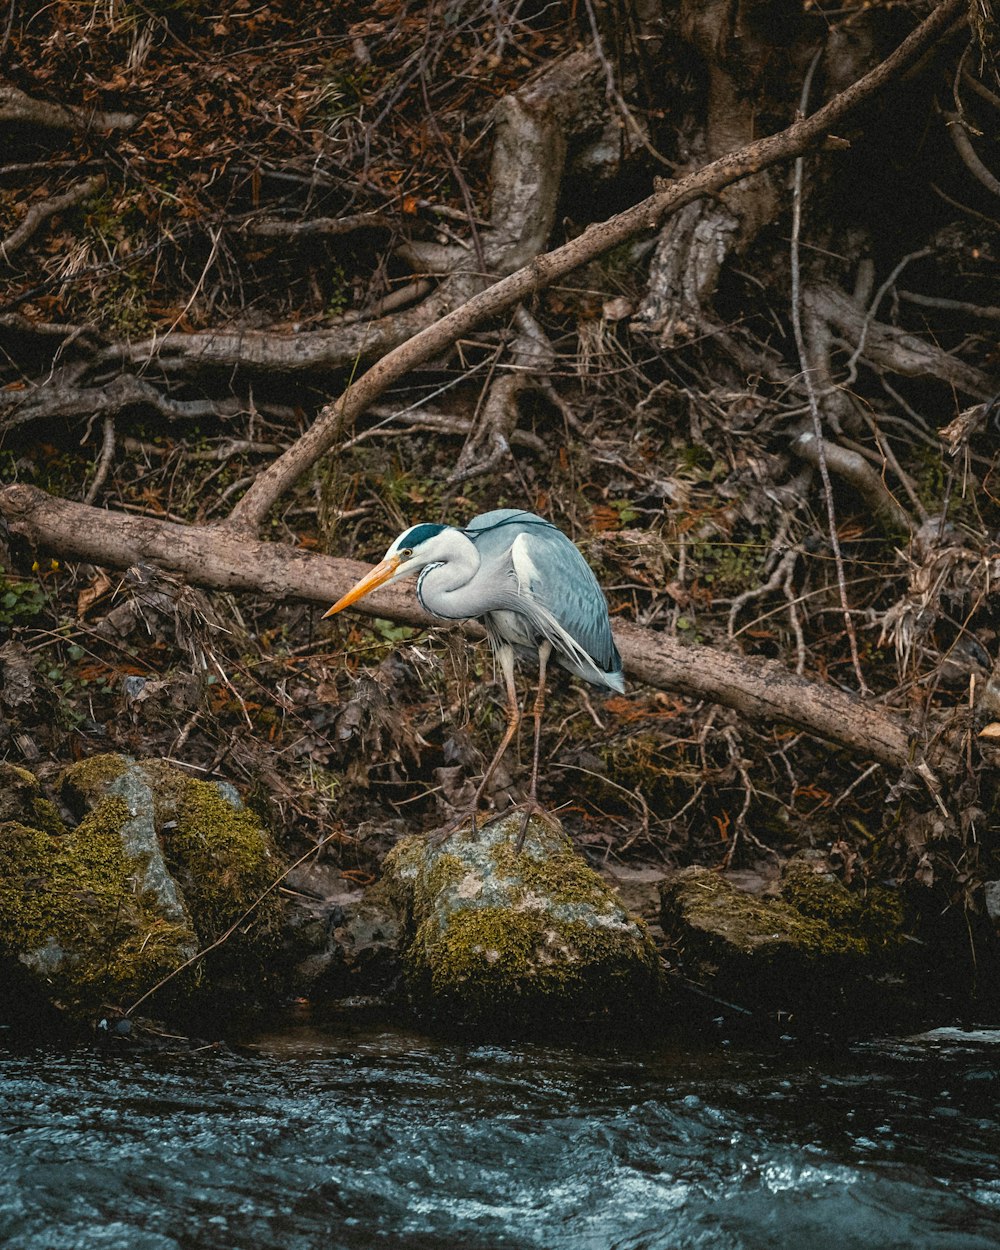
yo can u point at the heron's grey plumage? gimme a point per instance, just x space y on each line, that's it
544 588
532 589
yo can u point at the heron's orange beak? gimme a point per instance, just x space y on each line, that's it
379 574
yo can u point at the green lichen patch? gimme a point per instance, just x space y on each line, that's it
529 938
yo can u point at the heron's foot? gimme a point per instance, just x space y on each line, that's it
467 819
531 807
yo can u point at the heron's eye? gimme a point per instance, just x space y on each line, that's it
406 553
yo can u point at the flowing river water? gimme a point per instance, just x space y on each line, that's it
367 1136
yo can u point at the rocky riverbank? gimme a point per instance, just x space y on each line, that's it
132 890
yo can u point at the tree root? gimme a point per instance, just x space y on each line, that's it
39 213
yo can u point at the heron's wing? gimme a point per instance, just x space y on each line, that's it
558 592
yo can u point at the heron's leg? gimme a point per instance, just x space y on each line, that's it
505 658
532 806
544 651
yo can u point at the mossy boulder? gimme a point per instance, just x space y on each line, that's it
157 867
817 951
529 940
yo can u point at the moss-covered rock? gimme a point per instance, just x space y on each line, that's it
818 950
74 914
529 939
872 918
158 867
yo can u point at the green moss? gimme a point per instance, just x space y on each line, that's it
874 918
561 875
160 866
493 961
447 870
529 936
220 854
21 800
45 816
484 950
85 781
728 921
401 878
830 947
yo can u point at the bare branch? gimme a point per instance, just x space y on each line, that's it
963 146
987 312
17 107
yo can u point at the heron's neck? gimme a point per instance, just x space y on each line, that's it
443 586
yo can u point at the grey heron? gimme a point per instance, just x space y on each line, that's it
534 593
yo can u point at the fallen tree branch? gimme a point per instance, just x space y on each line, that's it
597 239
763 691
17 107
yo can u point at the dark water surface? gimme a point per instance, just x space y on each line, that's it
382 1138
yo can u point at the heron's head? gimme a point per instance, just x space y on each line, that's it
413 549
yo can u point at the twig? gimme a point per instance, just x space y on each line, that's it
987 312
852 364
817 423
980 89
885 447
233 927
959 132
